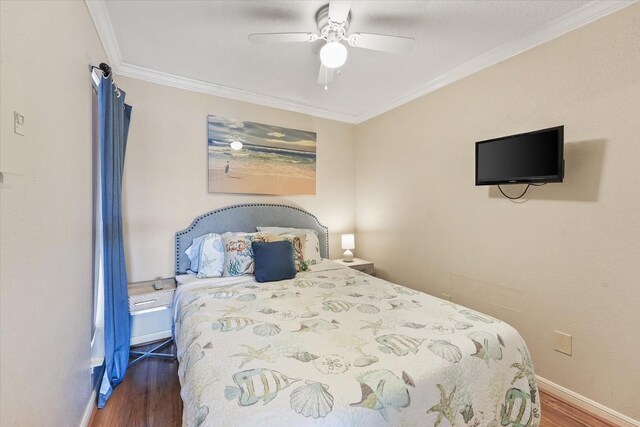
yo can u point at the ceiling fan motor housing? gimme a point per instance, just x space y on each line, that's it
326 26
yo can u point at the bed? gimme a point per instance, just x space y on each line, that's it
334 346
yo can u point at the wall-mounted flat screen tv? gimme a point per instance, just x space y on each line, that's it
526 158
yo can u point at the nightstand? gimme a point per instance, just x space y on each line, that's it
151 316
358 264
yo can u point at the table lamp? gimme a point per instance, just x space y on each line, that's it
348 242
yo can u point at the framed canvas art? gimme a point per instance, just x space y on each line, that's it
254 158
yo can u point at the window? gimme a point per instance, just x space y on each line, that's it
97 324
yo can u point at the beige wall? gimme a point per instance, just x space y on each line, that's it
567 259
45 211
165 183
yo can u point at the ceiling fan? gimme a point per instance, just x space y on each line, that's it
333 23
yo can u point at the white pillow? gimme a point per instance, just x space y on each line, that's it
311 244
211 259
193 253
238 254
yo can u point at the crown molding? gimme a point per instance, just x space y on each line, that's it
100 16
166 79
590 12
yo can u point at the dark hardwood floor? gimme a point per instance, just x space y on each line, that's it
150 397
557 412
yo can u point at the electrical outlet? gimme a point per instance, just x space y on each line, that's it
562 343
446 297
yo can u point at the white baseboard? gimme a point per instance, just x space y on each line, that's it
587 404
88 412
142 339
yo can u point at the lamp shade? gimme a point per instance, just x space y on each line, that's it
333 54
348 241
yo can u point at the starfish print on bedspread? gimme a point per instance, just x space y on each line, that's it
374 326
325 295
229 310
253 353
443 408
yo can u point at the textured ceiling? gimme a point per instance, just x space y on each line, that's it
207 41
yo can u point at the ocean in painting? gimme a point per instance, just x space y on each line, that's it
272 160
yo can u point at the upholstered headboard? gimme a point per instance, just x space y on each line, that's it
246 218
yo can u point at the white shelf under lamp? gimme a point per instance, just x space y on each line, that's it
348 243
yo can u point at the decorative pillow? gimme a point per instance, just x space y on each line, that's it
311 243
296 242
193 253
211 257
266 237
277 230
238 255
312 246
298 250
273 261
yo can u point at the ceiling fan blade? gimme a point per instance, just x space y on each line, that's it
325 76
315 47
339 10
391 44
260 38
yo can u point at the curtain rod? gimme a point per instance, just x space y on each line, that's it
106 72
105 68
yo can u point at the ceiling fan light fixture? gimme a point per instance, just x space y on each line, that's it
333 54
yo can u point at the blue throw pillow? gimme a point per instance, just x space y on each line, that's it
273 261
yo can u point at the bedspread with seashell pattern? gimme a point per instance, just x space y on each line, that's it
339 347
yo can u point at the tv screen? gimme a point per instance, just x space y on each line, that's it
526 158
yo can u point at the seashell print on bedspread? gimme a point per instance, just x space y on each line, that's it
337 347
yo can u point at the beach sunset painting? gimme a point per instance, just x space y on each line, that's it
254 158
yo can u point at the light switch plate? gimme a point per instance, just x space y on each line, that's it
18 123
562 342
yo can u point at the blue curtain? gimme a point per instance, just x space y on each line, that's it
113 116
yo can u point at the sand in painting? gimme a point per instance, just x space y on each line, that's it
246 176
